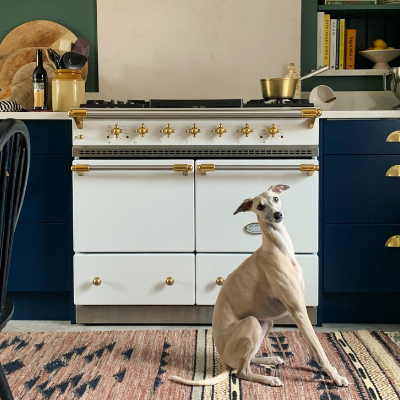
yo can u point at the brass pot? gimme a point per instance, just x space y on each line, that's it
284 88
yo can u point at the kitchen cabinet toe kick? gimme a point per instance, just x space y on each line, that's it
168 315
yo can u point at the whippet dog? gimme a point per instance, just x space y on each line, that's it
266 286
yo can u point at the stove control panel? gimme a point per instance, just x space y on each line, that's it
197 133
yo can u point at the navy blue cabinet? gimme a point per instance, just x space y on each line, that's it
40 271
360 212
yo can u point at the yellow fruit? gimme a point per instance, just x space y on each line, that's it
379 43
378 48
391 48
370 48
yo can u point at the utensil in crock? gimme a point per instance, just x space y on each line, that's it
73 60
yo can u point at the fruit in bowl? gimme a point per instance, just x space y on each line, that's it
380 54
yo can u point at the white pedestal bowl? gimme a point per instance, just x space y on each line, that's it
380 57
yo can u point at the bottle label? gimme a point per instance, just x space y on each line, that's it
38 94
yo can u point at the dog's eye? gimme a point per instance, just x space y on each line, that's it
260 207
275 199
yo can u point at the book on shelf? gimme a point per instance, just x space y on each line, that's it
333 34
342 42
321 36
327 29
350 48
349 2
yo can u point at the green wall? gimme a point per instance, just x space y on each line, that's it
79 16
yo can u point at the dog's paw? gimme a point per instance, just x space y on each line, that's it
277 360
275 381
341 381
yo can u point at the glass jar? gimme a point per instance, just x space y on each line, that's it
68 89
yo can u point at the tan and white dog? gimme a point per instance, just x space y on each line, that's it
266 286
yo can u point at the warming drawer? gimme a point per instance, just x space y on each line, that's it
210 267
219 193
134 279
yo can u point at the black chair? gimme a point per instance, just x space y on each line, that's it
15 160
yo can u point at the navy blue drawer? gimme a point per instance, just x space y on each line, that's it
48 193
357 190
360 136
40 259
50 137
356 259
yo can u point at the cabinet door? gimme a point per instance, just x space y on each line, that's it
133 210
134 279
357 190
48 192
41 258
209 267
220 193
360 136
357 261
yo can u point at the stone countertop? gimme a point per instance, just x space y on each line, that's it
34 115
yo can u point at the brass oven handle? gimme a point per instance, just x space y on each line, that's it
394 137
81 168
309 168
394 171
220 281
394 241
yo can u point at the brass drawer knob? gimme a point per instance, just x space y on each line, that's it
394 137
168 130
394 171
246 130
220 130
170 281
394 241
273 130
96 281
142 130
116 131
194 131
220 281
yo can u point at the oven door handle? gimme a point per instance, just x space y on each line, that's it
81 168
309 168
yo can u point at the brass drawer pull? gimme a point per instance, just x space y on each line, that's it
220 281
394 241
394 171
394 137
170 281
81 168
96 281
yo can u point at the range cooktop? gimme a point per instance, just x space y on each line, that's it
210 103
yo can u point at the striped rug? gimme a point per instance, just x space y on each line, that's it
137 365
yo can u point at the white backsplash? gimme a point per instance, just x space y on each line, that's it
194 49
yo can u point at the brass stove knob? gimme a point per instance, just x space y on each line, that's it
170 281
96 281
142 130
220 281
168 130
273 130
220 130
246 130
194 131
116 131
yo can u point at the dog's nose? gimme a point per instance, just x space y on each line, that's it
278 216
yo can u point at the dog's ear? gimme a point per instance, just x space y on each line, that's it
278 189
245 206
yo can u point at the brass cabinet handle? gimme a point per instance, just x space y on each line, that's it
220 281
97 281
394 171
170 281
394 137
394 241
81 168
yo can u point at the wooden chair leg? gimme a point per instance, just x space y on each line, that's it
5 391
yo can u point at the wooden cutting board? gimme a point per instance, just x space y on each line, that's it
19 48
22 87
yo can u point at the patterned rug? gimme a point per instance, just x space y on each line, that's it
137 365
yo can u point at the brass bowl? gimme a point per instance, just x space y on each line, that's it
278 88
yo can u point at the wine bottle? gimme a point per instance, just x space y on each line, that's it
39 83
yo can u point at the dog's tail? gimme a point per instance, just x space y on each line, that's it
204 382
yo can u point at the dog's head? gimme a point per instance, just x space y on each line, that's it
267 205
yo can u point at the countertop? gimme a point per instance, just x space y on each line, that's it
365 114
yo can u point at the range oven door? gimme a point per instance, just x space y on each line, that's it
133 206
220 192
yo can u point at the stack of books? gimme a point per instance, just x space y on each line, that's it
336 44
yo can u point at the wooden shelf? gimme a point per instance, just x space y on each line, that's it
367 11
354 72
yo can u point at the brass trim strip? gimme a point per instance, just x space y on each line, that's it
394 171
394 241
394 137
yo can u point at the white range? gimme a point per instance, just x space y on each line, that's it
154 191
